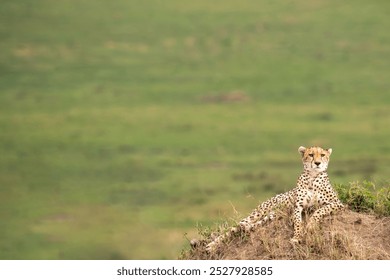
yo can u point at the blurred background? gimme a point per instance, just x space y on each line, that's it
124 124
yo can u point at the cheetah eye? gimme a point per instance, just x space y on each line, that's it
322 155
312 155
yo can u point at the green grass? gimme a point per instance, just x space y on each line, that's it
365 197
123 124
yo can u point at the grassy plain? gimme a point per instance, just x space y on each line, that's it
123 124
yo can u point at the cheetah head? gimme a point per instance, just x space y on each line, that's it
315 159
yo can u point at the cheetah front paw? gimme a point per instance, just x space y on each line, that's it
295 240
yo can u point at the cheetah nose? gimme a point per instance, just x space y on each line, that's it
317 163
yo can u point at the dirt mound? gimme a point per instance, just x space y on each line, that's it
347 235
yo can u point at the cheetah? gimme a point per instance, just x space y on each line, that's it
313 189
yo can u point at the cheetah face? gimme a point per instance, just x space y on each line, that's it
315 159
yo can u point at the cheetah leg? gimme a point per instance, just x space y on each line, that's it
319 214
267 210
297 224
212 246
255 219
262 214
246 225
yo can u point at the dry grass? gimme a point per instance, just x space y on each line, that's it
345 236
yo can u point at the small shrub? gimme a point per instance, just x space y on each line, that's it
383 202
365 197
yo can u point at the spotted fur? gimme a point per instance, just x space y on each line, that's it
313 189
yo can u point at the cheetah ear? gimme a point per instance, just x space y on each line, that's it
329 150
301 150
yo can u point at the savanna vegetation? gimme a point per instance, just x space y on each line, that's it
359 232
124 124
